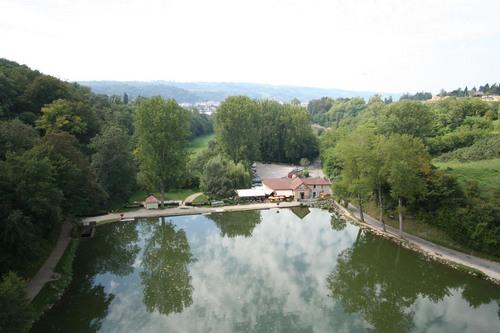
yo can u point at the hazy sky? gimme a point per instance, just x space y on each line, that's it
376 45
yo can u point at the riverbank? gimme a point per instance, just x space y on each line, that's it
183 210
484 268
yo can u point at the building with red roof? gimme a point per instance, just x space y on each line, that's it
151 202
298 188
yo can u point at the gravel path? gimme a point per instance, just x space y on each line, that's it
488 267
191 198
184 210
46 272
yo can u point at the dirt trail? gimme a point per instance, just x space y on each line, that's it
46 272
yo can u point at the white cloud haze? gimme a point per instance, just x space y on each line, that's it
376 45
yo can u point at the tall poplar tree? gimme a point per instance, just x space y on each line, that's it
162 131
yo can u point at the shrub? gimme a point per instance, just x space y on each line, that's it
16 313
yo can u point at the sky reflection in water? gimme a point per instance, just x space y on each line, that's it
263 271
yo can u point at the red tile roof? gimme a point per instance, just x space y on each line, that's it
316 181
278 183
292 184
151 199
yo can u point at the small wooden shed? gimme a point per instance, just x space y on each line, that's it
151 202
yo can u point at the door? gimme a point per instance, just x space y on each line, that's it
302 195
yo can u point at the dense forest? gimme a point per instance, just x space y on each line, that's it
65 152
383 155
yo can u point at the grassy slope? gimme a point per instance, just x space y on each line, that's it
485 172
200 143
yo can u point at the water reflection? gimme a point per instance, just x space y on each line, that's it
165 275
301 211
234 224
337 223
263 272
382 282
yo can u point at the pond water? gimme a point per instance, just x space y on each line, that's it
287 270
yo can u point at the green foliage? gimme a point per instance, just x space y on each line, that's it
16 313
271 132
201 124
54 290
114 163
161 131
419 96
237 128
327 111
82 194
76 118
482 149
16 137
286 134
221 177
407 117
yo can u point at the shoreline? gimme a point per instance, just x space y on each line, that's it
481 268
184 210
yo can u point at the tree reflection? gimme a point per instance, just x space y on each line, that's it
93 304
301 211
166 279
337 223
113 250
380 281
234 224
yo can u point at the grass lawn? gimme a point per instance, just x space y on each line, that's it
425 231
179 194
485 172
200 143
201 198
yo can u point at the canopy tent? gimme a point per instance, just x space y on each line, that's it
257 192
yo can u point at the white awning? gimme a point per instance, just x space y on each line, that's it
284 193
251 192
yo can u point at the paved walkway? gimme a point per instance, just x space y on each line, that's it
184 210
46 272
488 267
191 198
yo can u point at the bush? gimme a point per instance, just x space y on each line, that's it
483 149
16 314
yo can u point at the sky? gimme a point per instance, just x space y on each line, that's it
372 45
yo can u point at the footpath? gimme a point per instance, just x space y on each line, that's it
183 210
488 267
46 272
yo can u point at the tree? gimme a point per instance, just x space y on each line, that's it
352 153
76 118
82 194
166 279
161 129
376 171
16 137
237 128
114 163
406 162
221 177
408 117
16 313
233 224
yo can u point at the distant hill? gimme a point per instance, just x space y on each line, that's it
192 92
